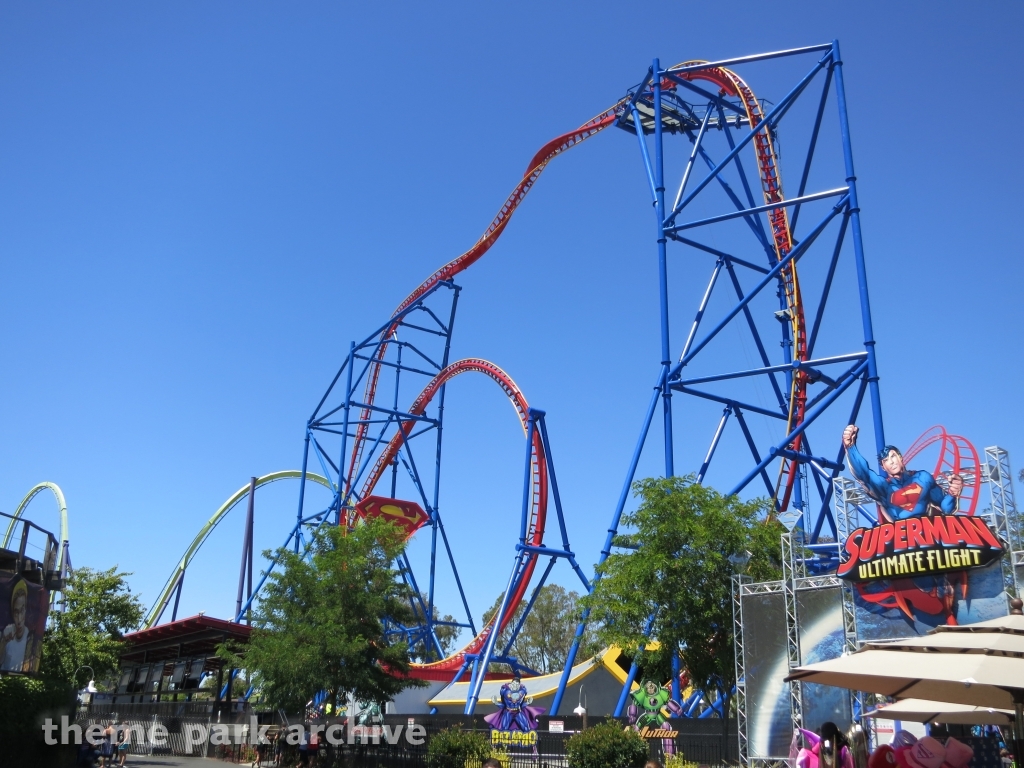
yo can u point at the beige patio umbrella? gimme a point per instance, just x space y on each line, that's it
922 711
979 665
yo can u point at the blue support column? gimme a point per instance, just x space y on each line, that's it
302 487
858 251
522 558
434 519
633 669
343 483
659 206
177 598
624 694
531 427
675 678
485 656
607 549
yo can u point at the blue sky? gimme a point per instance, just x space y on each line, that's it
201 204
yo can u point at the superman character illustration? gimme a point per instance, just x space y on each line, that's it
901 494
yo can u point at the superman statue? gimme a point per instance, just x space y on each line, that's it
513 713
903 492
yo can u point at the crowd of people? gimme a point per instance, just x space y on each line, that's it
831 748
111 751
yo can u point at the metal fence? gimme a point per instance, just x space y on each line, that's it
697 741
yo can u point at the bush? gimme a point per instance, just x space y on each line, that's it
607 746
678 761
24 703
454 748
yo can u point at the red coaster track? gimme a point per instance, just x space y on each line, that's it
539 500
730 84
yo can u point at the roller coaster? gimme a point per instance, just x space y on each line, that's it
368 444
37 543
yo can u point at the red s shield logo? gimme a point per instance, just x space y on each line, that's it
906 497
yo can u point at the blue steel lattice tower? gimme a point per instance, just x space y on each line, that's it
753 242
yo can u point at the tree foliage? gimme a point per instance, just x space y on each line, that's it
320 623
24 703
544 641
606 745
691 540
456 748
99 608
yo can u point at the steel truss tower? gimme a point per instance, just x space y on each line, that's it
367 442
1004 516
409 350
721 197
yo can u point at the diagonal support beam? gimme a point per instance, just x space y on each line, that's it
765 125
792 256
800 428
760 209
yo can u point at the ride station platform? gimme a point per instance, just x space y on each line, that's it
170 659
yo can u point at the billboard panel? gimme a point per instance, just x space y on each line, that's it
920 557
903 607
820 613
765 664
23 610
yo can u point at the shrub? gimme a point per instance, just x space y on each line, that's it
454 748
678 761
24 703
607 746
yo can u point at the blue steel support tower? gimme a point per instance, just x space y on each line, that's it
755 239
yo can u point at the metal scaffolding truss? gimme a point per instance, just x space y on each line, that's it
792 563
817 582
1003 513
741 685
795 581
762 587
851 513
743 587
853 507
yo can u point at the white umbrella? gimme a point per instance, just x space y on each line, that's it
978 665
969 678
923 711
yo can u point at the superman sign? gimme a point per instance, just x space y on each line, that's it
407 514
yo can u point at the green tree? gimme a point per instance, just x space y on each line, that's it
99 608
320 623
689 539
544 641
